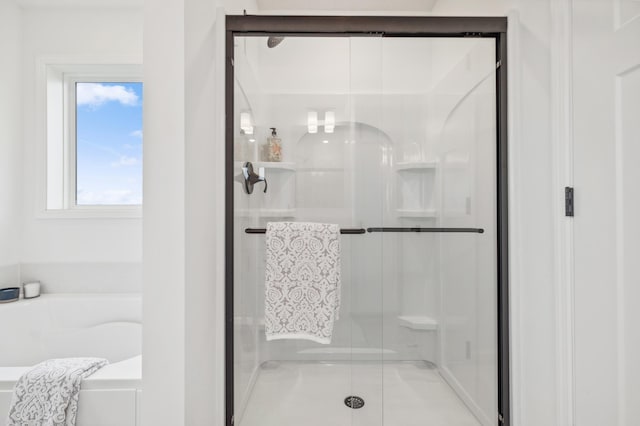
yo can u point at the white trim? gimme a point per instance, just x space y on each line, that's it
562 142
516 322
93 212
242 407
122 68
467 399
220 225
620 235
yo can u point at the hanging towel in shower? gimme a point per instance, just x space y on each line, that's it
47 395
302 296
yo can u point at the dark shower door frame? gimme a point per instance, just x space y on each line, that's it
381 26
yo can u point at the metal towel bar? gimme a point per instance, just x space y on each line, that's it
433 230
342 231
355 231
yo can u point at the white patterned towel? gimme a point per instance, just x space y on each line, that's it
302 280
47 395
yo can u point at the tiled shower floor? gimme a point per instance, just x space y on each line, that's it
312 394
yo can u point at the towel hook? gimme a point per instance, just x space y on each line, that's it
251 178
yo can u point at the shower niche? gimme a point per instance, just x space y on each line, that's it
393 139
416 189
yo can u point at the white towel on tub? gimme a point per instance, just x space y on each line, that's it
47 394
302 297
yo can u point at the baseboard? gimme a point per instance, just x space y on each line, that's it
450 379
240 408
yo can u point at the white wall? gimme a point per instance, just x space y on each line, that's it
532 246
10 142
534 366
183 270
532 280
74 34
164 282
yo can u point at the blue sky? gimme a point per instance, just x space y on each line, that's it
109 143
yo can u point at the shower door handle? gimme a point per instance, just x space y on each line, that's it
262 178
251 178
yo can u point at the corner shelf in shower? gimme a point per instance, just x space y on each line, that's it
282 213
416 165
420 323
321 169
270 165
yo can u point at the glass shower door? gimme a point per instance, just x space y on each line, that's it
304 143
393 139
440 248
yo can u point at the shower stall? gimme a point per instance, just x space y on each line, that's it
395 130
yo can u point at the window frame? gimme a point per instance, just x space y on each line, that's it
60 178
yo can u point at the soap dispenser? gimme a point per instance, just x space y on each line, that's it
274 146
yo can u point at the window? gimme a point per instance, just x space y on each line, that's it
94 140
108 143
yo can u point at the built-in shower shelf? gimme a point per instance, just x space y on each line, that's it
416 165
346 351
421 323
270 165
321 169
266 212
416 213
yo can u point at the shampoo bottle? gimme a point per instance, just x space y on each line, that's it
274 146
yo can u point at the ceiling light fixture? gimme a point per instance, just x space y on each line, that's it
312 122
245 123
329 121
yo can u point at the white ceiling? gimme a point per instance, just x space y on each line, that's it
263 5
348 5
81 3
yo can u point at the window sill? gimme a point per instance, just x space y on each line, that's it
115 212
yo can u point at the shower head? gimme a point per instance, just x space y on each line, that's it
273 41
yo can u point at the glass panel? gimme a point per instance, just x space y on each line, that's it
467 152
369 132
299 102
440 289
108 143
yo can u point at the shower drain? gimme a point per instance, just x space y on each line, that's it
354 402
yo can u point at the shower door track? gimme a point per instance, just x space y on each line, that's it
386 26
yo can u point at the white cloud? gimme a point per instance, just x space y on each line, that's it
96 94
136 134
109 197
125 161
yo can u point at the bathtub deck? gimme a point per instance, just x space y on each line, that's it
109 397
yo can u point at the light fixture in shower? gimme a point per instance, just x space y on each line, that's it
312 122
245 123
273 41
329 121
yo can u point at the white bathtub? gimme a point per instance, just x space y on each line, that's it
73 325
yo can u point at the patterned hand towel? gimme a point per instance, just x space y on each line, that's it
47 395
302 297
